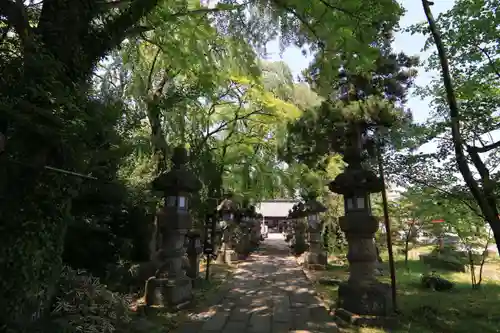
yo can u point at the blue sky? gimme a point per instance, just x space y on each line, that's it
410 44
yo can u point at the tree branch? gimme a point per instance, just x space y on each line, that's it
490 61
450 194
466 172
151 70
485 148
201 11
338 9
116 30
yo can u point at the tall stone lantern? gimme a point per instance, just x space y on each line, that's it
362 294
288 232
316 257
299 242
227 210
170 286
245 225
254 226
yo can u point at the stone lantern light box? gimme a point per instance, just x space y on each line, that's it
356 185
313 208
178 183
357 202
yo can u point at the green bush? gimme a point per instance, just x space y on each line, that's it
447 259
299 245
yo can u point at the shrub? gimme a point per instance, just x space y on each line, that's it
446 258
299 245
84 305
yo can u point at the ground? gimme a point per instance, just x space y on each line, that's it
268 293
461 310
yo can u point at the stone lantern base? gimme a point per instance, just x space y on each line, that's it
226 255
230 256
170 293
373 299
316 260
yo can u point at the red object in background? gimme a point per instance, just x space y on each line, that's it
437 221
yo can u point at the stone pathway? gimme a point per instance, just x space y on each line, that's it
269 293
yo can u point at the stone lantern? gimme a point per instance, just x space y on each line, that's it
362 294
259 218
299 242
254 228
245 229
288 232
316 257
227 210
170 286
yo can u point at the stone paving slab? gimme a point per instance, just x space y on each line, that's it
269 293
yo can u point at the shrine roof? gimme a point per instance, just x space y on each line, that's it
275 207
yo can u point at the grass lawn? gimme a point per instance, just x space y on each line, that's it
461 310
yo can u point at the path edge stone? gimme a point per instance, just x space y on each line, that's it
317 295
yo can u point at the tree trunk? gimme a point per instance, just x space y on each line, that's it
483 195
407 242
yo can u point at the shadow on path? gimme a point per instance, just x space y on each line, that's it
268 293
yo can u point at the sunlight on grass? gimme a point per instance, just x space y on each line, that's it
460 310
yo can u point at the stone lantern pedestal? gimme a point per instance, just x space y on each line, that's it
299 242
316 257
227 253
243 246
170 287
362 294
255 235
227 210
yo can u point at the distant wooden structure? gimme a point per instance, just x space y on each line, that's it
275 211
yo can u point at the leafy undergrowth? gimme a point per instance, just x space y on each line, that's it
84 305
166 322
460 310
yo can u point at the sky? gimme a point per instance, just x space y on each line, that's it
410 44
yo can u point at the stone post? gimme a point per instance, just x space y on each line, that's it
170 287
362 294
194 251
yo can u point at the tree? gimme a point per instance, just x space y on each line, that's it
439 213
466 98
368 99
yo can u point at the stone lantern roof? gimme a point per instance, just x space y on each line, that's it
356 181
314 206
298 211
250 211
179 179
